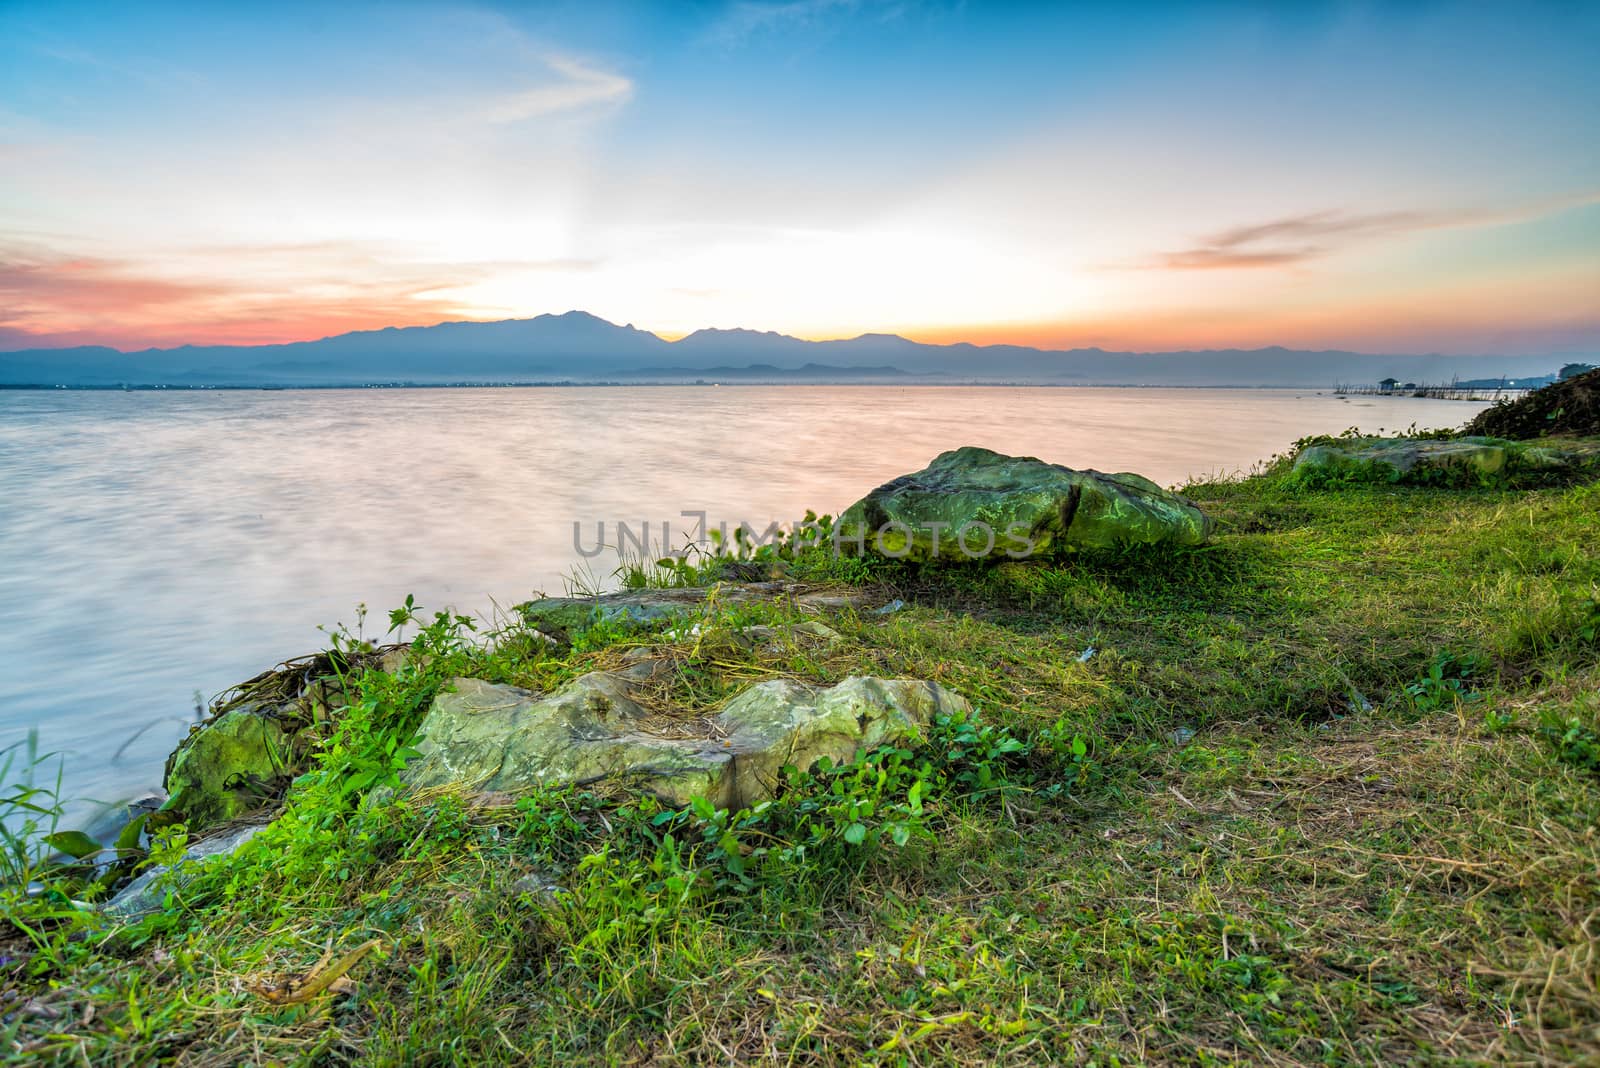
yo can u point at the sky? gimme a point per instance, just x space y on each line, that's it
1408 177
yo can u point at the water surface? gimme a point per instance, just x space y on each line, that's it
155 546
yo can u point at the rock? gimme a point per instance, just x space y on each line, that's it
254 743
561 615
1451 461
230 765
811 628
772 640
485 737
145 894
1015 506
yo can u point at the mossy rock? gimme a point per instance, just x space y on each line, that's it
1463 461
231 765
561 616
974 503
255 742
490 738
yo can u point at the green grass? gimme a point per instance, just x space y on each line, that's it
1325 792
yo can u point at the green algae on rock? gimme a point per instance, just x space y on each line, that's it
974 503
257 737
493 738
229 766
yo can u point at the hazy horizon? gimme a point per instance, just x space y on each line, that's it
673 337
577 346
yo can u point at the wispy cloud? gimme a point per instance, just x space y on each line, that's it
1283 242
582 86
1300 238
33 288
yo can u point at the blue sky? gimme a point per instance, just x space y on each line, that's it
1413 177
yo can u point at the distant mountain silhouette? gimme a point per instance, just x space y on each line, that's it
580 347
815 372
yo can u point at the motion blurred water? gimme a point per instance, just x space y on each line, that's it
158 545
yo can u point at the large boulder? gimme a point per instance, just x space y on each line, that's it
491 738
972 503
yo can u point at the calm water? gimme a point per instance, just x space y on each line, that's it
158 545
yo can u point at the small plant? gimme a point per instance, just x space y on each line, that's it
981 758
370 744
1499 720
827 813
1447 680
37 857
608 630
1574 741
46 873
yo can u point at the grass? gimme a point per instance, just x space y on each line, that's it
1324 792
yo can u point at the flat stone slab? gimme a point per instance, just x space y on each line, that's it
572 613
1422 461
146 893
974 503
485 737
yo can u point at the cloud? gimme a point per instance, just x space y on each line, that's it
1282 242
584 87
82 282
229 294
1301 238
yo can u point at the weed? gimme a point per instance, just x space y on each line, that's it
1447 680
1574 741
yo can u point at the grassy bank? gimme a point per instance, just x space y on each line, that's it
1323 792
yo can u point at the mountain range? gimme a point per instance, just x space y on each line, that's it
579 347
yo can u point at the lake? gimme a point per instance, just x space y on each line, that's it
160 546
